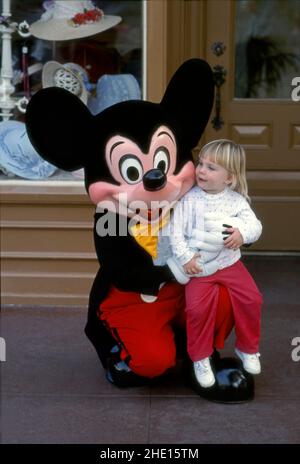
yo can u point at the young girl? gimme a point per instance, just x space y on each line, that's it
221 190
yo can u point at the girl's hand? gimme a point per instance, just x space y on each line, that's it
191 267
235 239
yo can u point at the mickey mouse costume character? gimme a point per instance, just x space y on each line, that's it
136 155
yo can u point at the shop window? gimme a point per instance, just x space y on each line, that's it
108 66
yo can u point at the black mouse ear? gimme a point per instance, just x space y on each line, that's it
189 98
59 127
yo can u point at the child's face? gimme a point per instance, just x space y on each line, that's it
212 177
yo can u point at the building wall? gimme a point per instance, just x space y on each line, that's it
46 238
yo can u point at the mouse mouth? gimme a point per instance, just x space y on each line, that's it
152 215
157 213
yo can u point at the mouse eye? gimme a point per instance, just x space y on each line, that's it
162 160
131 169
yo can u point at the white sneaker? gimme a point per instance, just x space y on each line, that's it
203 373
251 362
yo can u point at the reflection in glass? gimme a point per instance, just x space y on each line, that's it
101 69
267 53
115 51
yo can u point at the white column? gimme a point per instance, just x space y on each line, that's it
6 88
6 8
7 104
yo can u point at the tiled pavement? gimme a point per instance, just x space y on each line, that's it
54 390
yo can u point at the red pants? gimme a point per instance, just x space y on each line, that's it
144 331
201 308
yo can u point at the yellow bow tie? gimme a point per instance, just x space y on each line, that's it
147 234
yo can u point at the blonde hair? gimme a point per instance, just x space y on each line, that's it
231 157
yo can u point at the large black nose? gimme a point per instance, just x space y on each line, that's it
154 179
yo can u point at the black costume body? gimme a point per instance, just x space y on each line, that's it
65 133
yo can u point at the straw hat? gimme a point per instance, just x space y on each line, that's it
72 19
67 76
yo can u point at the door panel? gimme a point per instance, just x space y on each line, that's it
258 112
270 132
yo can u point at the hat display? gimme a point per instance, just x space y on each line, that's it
17 155
68 76
112 89
71 19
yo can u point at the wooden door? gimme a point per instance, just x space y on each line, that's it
260 59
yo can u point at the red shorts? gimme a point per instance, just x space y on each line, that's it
144 331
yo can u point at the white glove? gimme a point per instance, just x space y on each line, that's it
206 241
212 238
177 270
180 275
207 268
217 224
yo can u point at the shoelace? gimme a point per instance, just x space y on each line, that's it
202 366
254 357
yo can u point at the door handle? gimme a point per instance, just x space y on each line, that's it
218 48
219 74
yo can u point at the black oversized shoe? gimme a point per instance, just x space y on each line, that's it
118 373
233 384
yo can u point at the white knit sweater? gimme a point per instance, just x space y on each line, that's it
201 211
